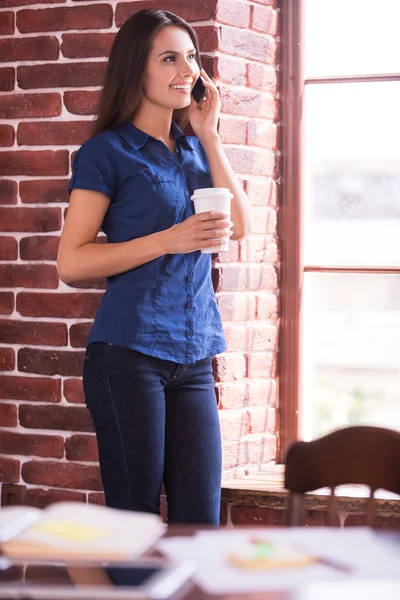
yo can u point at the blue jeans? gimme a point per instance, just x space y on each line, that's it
155 421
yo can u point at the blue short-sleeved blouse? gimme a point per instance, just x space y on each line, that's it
165 308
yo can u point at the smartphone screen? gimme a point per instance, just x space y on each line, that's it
198 90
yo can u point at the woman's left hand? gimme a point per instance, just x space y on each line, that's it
204 117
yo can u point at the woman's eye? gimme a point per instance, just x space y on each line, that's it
192 56
167 59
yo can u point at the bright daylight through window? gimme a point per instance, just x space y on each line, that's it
351 210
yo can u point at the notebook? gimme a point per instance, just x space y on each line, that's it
73 530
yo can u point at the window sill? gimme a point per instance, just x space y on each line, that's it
266 490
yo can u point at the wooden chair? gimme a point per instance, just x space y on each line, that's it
354 455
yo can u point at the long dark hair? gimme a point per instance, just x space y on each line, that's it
123 84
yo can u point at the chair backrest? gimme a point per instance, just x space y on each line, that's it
354 455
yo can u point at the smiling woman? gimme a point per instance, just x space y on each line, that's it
147 377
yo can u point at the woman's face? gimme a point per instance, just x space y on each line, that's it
171 63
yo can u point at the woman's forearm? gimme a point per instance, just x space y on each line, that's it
223 176
94 261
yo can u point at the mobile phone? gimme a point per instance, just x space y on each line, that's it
142 580
198 90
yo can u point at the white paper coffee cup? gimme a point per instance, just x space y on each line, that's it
216 199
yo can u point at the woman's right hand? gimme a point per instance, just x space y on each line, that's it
200 231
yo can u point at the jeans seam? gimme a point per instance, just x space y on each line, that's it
119 428
167 439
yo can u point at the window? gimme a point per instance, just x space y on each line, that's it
340 217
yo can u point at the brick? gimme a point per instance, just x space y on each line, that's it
254 449
259 249
7 136
36 163
262 133
41 498
229 367
246 44
9 470
7 359
264 220
208 36
7 79
95 16
8 191
232 131
29 48
22 106
249 103
39 247
6 303
235 424
64 475
63 418
82 102
87 45
262 77
54 133
254 161
35 333
62 75
8 415
36 389
267 306
237 307
262 193
262 364
73 391
8 248
203 10
247 277
231 70
30 219
231 256
78 334
232 12
251 336
7 23
81 306
264 20
262 419
223 514
29 276
257 515
261 392
272 3
44 190
81 448
24 2
31 445
97 498
50 362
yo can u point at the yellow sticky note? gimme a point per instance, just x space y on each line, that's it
69 530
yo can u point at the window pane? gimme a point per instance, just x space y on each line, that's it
352 174
351 37
351 351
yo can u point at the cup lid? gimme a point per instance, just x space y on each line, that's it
206 192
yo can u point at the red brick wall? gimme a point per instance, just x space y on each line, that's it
53 63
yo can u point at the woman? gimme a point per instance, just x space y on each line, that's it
147 372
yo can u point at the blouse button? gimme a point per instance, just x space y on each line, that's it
186 193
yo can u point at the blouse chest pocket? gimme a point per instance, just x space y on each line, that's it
147 203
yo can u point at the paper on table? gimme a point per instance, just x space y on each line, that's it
360 548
